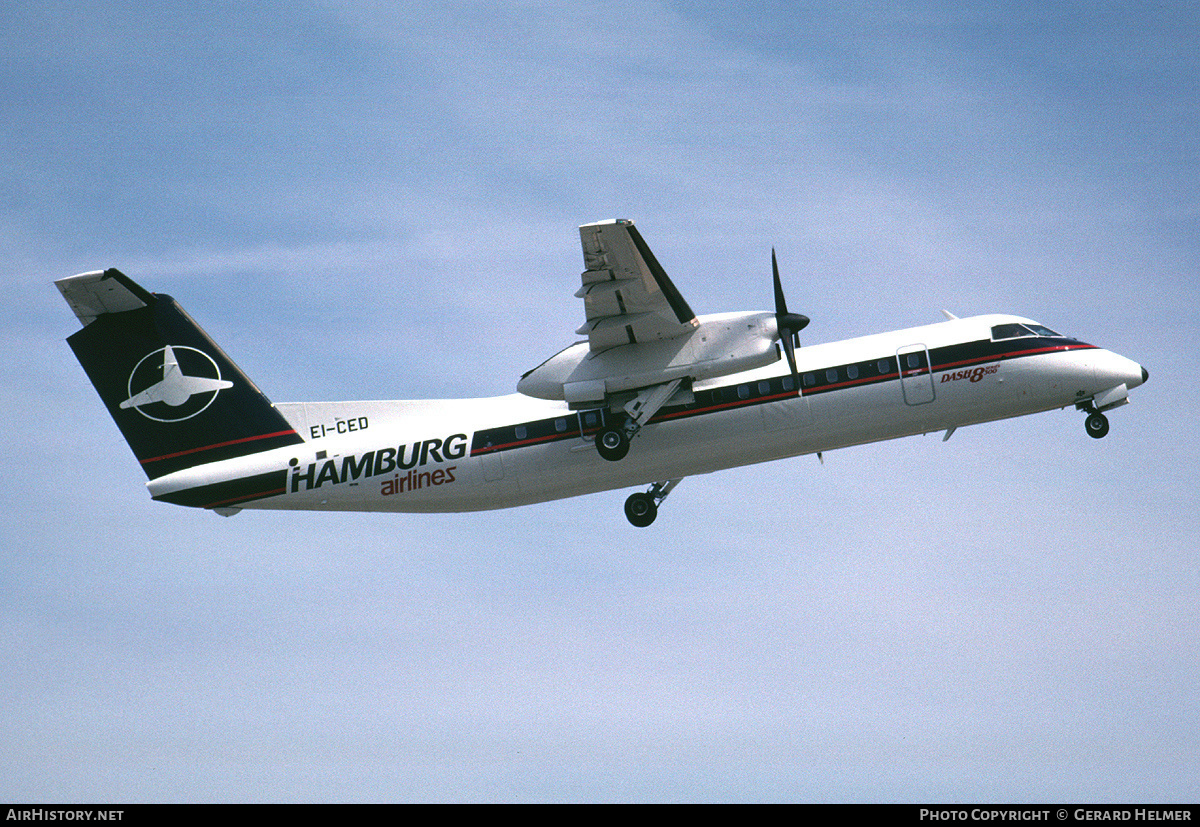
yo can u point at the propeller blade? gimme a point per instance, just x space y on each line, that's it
780 301
788 324
789 350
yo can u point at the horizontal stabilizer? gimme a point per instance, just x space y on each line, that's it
91 295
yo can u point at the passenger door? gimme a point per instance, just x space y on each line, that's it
916 378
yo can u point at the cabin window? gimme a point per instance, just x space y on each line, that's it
884 366
789 383
764 388
522 432
831 375
852 371
809 380
560 425
743 391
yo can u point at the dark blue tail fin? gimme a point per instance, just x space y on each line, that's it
177 398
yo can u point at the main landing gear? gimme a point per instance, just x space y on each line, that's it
613 443
642 507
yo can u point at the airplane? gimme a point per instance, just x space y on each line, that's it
654 393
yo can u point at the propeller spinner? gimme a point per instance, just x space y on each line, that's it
788 324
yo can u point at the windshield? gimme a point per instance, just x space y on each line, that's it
1013 330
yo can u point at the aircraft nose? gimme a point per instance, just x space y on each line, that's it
1113 369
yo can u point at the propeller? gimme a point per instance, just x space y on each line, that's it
789 324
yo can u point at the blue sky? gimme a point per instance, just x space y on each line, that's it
365 200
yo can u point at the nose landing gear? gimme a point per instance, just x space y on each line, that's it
1096 425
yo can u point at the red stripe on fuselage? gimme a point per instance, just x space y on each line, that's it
218 445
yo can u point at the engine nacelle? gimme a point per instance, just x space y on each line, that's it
720 345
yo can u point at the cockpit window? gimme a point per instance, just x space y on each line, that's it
1042 330
1015 331
1010 331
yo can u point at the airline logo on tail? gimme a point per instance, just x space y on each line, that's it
170 392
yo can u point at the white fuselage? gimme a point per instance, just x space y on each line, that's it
474 454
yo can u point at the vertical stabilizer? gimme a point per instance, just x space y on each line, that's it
177 398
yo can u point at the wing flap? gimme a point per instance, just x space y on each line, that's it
621 330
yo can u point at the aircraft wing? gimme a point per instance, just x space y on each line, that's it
627 296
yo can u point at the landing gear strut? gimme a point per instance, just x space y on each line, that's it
642 507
